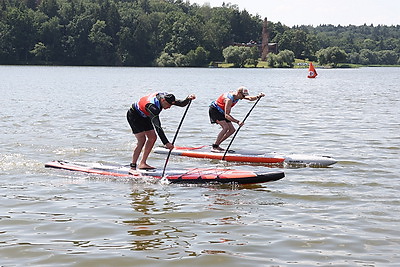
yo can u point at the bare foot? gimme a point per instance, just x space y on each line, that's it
146 167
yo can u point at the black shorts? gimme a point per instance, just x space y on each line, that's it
138 123
216 115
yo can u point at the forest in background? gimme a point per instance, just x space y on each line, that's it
170 33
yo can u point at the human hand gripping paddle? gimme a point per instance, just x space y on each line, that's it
176 135
233 138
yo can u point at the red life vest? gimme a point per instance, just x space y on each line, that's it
220 102
141 104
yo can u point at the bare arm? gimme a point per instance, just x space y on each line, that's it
228 107
252 98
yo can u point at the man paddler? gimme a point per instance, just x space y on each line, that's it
220 113
143 118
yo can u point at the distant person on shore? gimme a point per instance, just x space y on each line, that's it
220 113
143 117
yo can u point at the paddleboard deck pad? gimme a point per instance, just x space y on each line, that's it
185 176
251 156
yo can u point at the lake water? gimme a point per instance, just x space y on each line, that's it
344 215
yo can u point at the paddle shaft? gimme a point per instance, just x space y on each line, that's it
176 135
233 138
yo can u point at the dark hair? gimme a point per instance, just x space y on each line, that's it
170 98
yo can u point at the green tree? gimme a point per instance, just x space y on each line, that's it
369 44
41 52
299 44
297 40
49 7
180 60
368 57
245 27
387 57
165 60
254 56
139 37
331 55
198 57
110 15
7 51
184 34
276 29
217 32
354 58
285 58
75 42
271 60
50 34
21 32
238 55
102 43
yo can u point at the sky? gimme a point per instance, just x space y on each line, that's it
335 12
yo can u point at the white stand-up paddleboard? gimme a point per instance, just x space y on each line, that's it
251 156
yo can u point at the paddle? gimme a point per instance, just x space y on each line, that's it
176 135
233 138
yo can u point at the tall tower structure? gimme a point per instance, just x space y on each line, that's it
264 44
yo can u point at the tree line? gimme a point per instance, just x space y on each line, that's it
174 33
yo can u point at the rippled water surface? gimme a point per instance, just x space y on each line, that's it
344 215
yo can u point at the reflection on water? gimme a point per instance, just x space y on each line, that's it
144 228
168 226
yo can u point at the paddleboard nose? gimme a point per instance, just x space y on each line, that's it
310 160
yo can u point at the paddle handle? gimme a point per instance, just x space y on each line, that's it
233 138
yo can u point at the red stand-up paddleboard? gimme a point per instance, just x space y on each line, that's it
206 153
189 176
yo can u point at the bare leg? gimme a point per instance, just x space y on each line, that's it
148 146
141 139
227 130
